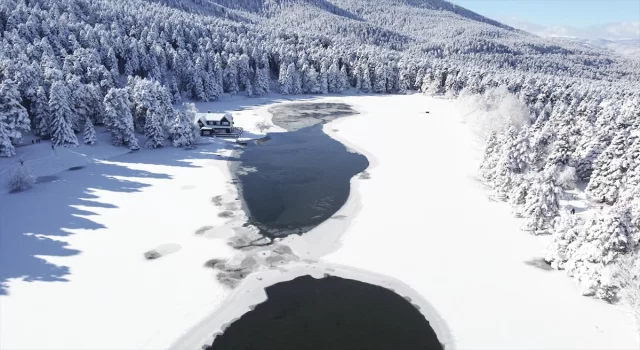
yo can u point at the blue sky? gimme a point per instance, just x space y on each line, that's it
587 17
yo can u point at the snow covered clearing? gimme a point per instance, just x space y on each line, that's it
420 217
87 232
71 248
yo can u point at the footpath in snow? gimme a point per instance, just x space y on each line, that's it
418 222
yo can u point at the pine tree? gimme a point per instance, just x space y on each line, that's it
119 119
561 150
12 113
211 87
333 77
77 101
520 150
245 74
6 147
609 169
357 72
59 105
181 130
89 132
380 78
294 79
218 68
153 130
41 113
343 79
392 85
584 166
602 240
176 97
248 86
518 195
261 86
284 79
632 155
365 84
565 231
110 60
323 79
627 277
491 156
95 109
198 86
419 79
428 87
506 165
404 83
542 203
310 80
231 76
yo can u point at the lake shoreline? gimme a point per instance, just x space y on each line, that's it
309 249
252 292
296 180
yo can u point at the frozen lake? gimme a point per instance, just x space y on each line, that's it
291 183
297 179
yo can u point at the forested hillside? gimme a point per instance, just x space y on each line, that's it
68 65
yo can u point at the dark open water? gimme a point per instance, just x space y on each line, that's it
300 178
329 314
289 185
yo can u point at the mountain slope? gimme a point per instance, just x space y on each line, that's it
431 28
629 48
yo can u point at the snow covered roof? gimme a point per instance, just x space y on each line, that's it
210 116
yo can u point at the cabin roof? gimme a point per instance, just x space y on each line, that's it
210 116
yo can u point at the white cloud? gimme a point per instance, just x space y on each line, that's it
611 31
620 37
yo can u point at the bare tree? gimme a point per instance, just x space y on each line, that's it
263 126
20 179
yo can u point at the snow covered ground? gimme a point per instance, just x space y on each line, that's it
421 224
72 272
74 276
426 220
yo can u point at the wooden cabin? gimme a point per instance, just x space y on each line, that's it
215 123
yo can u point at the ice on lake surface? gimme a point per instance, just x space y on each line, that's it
299 178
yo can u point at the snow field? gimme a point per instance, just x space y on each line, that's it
93 226
427 221
424 218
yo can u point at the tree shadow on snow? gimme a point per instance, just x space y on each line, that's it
31 221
